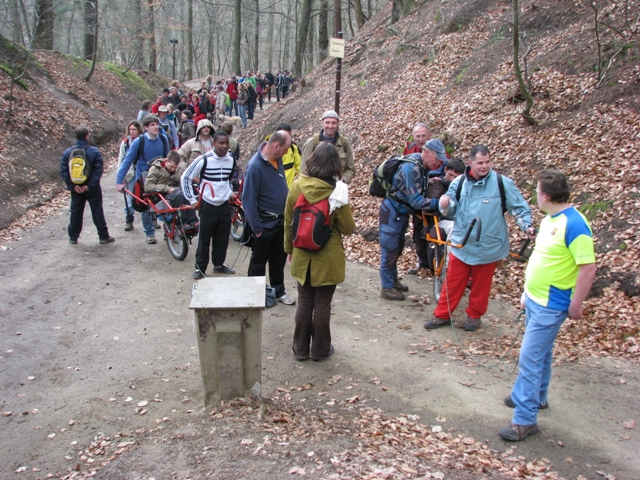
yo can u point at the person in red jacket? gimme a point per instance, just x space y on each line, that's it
421 134
232 91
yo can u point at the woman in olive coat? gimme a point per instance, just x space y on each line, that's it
318 272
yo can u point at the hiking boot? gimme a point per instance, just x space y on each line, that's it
471 325
151 240
73 241
286 299
224 269
104 241
400 287
128 226
391 294
508 401
197 275
436 322
515 433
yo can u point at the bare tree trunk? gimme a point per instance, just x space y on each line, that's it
139 40
256 39
189 33
360 20
270 23
323 31
311 39
94 36
153 52
17 34
44 24
237 37
526 113
90 23
305 16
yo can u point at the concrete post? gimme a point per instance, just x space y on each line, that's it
228 324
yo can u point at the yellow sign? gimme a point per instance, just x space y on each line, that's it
336 48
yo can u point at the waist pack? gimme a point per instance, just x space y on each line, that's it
79 169
311 226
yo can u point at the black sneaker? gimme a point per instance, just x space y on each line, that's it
508 401
104 241
197 275
224 269
73 241
128 226
331 352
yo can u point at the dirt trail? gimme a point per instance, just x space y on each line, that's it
89 331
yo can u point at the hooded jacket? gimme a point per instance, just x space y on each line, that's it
327 265
193 148
160 180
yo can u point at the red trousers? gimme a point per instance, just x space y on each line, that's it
455 283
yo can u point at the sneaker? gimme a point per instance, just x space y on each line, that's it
151 240
414 270
286 299
197 275
104 241
128 226
391 294
73 241
471 325
515 433
400 287
156 225
436 322
508 401
224 269
331 352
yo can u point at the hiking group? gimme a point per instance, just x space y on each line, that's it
296 203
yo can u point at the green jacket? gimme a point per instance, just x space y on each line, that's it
327 265
160 180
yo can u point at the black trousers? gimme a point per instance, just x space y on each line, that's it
215 225
78 202
269 249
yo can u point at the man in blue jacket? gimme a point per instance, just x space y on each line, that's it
154 145
264 196
480 197
89 191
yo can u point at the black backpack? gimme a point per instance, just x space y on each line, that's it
382 178
165 143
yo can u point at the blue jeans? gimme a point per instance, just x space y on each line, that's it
393 226
230 109
532 384
243 114
128 207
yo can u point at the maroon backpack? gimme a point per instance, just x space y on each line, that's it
311 227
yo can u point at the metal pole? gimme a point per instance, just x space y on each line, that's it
174 42
338 28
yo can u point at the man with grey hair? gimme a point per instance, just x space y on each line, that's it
329 133
421 134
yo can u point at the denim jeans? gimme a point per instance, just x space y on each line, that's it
128 207
243 114
532 384
393 226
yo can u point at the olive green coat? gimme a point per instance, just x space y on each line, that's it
327 265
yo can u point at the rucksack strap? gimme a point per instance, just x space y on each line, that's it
503 195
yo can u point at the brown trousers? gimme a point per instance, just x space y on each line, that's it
313 317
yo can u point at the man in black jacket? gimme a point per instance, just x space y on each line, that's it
87 191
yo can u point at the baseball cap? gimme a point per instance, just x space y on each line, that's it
437 147
330 114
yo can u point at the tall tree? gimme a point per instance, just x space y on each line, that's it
153 52
301 41
256 38
237 37
360 19
323 30
44 24
90 28
189 73
524 91
138 42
